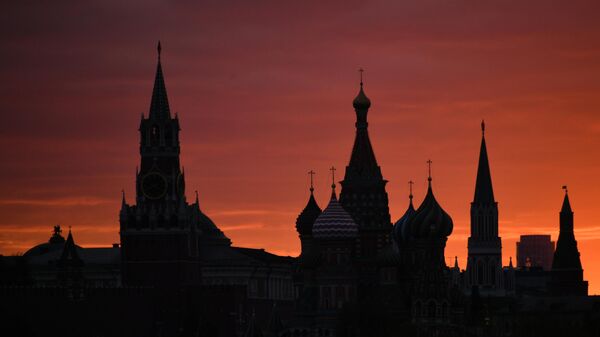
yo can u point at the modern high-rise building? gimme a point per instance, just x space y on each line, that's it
535 251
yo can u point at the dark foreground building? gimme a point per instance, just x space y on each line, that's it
175 273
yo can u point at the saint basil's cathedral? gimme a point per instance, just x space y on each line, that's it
175 273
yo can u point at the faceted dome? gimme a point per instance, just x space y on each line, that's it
334 222
361 101
399 232
429 220
306 219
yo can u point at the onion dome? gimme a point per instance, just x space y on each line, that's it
400 225
334 222
361 101
429 220
306 219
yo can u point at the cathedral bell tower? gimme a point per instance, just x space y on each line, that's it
363 192
161 231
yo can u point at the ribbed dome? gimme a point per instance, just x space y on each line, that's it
399 232
334 222
306 219
361 101
429 220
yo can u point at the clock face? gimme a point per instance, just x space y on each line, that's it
154 185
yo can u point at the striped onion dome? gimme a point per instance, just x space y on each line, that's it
400 231
429 221
334 222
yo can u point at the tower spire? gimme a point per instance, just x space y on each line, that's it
332 169
484 192
429 162
158 49
410 186
311 173
159 105
482 127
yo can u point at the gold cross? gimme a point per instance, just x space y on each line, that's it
429 163
332 169
311 173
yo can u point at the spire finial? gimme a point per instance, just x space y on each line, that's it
123 196
332 169
456 262
510 264
197 197
361 71
483 127
566 189
159 49
429 164
410 185
311 173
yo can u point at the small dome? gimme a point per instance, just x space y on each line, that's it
361 101
429 220
306 219
334 222
399 232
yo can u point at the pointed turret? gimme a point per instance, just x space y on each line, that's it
567 272
70 250
484 193
159 106
566 255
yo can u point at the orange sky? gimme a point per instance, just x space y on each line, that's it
264 93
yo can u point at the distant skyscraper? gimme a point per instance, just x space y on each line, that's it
535 251
484 263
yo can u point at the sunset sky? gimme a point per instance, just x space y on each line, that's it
264 91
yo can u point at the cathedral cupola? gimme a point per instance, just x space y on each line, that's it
306 219
361 104
429 220
399 226
361 101
334 222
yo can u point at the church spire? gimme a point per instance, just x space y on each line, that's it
362 159
484 193
159 106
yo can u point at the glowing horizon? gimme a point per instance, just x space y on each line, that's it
264 96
